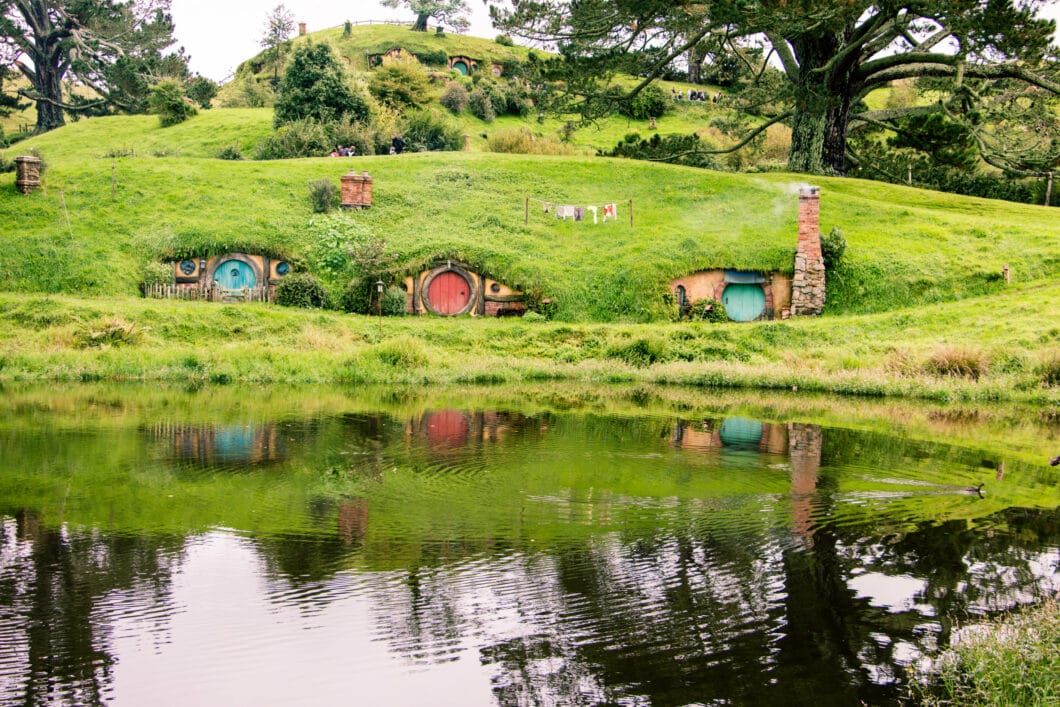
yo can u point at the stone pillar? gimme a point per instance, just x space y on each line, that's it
301 29
27 173
467 142
356 190
808 287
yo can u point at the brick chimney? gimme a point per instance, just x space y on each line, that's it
27 173
808 287
301 29
356 190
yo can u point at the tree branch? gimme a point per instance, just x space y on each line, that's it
750 136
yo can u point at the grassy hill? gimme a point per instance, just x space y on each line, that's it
906 246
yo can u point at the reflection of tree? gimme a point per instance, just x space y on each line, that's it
53 582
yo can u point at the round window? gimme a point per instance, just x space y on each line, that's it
283 268
187 267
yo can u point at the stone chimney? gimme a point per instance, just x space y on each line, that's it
27 173
808 288
356 190
301 29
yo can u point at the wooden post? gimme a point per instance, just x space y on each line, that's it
526 214
1049 190
112 179
1005 273
631 213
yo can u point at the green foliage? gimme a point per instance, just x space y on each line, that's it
639 352
400 85
677 149
323 195
314 86
483 102
946 141
651 102
156 273
167 101
455 97
523 141
961 361
301 290
395 301
1048 369
230 152
833 246
504 40
357 296
402 352
299 138
705 310
430 130
202 90
330 241
107 332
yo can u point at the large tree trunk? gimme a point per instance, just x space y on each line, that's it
48 84
421 23
822 108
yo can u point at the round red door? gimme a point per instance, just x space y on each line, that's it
449 293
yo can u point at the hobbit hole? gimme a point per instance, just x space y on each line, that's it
450 289
230 277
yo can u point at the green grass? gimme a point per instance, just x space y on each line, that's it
1012 660
906 246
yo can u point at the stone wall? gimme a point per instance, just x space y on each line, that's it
808 286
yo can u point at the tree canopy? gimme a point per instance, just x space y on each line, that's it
991 63
314 86
111 50
447 12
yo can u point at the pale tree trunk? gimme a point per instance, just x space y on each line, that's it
421 23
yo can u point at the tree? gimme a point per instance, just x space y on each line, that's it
279 25
832 54
448 12
110 48
314 86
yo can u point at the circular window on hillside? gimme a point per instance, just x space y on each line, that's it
495 288
461 66
187 267
283 268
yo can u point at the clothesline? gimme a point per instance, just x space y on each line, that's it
609 211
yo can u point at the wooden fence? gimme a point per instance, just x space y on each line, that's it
209 293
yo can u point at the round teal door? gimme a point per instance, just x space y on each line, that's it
235 275
744 303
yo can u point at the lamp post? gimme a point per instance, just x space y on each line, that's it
379 304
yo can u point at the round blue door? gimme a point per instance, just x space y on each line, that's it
234 275
744 303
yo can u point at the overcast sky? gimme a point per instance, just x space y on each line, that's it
219 35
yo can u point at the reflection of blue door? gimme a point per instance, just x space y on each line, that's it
234 275
744 303
740 433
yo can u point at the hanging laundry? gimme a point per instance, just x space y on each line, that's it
565 211
610 211
593 209
579 213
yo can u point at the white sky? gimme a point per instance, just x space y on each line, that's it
219 35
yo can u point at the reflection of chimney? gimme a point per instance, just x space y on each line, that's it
808 287
301 29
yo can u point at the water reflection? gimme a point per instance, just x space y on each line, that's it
473 556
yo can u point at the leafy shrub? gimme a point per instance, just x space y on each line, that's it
1049 369
112 331
677 149
360 135
167 101
706 310
202 90
6 165
400 85
155 273
395 301
455 98
833 246
651 102
640 353
314 86
534 317
232 152
429 130
957 361
357 296
483 102
323 195
301 290
433 57
522 141
300 138
504 40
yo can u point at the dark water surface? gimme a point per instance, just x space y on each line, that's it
319 547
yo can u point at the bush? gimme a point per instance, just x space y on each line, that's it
652 102
455 98
483 102
504 40
359 135
400 85
323 195
301 138
833 246
640 353
522 141
231 152
433 57
957 361
706 310
357 296
155 273
395 301
429 130
202 90
112 331
402 352
1049 369
301 290
167 101
314 86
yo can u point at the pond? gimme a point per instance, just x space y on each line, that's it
533 546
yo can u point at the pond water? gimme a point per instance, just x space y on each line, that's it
235 546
